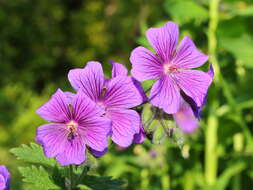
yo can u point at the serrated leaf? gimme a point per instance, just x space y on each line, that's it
38 178
183 11
32 154
100 183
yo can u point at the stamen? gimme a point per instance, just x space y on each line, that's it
103 92
169 68
70 108
72 126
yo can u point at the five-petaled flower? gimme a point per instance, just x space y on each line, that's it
4 178
76 123
115 96
171 67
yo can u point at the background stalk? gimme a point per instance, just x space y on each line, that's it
211 140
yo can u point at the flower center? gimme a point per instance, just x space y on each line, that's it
169 68
72 126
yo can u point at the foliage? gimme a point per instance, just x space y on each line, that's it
41 40
48 175
38 178
32 154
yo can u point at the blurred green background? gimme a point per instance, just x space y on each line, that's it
41 40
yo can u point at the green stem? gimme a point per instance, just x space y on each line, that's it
211 156
71 179
211 140
84 172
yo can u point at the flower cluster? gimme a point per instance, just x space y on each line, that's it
107 107
4 178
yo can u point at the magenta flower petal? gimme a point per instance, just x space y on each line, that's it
4 178
56 109
83 108
164 40
165 95
118 69
90 80
98 153
53 138
188 56
70 96
211 71
145 64
74 77
125 123
74 152
194 83
95 131
139 137
185 119
121 92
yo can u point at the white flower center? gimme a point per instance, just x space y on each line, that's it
169 68
72 126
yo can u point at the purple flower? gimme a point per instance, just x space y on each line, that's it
115 96
120 70
185 118
4 178
171 67
76 123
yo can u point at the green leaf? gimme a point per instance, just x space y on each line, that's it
183 11
38 178
241 47
100 183
32 154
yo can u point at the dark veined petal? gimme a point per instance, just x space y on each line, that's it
4 178
194 83
140 89
164 40
188 56
121 92
139 137
70 96
185 119
165 95
90 79
2 182
74 77
98 153
118 69
95 132
84 108
74 152
197 109
53 138
56 109
145 64
125 124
